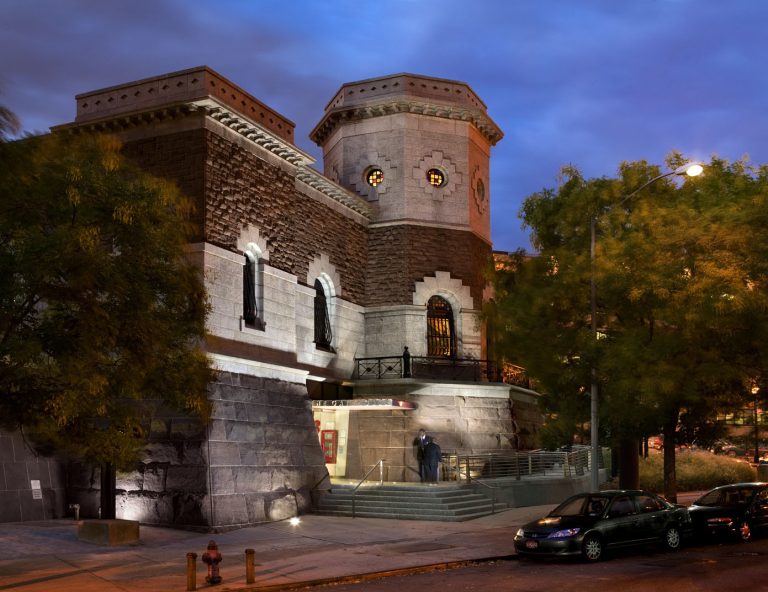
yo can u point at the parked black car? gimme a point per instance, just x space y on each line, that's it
587 524
733 511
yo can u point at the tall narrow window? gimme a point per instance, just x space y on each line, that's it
323 333
250 312
441 338
251 315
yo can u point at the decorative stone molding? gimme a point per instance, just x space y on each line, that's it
480 194
321 268
443 284
357 180
251 240
437 160
327 187
253 132
342 115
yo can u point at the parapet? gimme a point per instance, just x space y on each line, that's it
178 87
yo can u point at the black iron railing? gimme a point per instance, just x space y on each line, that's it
440 368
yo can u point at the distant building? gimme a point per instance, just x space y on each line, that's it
318 282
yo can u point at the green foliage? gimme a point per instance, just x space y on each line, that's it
696 471
101 312
680 270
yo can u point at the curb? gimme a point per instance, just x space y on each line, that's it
373 575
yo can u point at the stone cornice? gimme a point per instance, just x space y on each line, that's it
327 187
253 132
336 116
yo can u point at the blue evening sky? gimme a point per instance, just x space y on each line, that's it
589 83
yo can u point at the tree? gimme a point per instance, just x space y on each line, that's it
101 313
679 294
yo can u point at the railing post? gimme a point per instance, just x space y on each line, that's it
530 465
566 467
406 363
469 477
381 471
517 466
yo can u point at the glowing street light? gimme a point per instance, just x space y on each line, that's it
690 169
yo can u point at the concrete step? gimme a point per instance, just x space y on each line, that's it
415 507
401 516
447 503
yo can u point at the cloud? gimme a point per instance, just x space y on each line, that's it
589 83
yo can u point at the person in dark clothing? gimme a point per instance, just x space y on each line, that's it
420 442
431 460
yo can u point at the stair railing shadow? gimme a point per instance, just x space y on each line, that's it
380 464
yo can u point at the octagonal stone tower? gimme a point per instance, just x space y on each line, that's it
418 148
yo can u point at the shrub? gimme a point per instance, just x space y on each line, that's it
695 471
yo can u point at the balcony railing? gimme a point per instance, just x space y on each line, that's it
458 369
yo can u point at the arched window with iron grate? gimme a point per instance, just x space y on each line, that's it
441 335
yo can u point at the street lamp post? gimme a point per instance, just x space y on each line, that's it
691 169
755 390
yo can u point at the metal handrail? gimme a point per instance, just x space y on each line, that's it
491 487
379 463
515 465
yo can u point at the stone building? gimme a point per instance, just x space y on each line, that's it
318 282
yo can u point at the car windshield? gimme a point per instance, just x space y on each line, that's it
583 505
728 497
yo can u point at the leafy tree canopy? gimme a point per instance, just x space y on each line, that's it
680 275
101 312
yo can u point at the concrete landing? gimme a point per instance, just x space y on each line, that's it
109 532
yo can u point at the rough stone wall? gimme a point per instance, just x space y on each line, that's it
179 156
19 466
399 256
265 457
242 189
233 187
256 461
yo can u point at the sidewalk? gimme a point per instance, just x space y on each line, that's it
45 556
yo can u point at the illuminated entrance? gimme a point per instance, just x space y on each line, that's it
332 424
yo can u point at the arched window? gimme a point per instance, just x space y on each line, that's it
323 333
252 315
441 336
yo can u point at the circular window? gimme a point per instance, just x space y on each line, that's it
436 177
374 177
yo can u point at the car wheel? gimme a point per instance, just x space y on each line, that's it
592 548
745 531
672 538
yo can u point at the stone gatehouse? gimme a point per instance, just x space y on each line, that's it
309 274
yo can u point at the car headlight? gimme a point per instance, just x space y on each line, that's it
561 534
519 533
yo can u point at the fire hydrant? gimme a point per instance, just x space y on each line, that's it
212 558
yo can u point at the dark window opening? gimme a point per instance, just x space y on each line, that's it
323 333
250 306
441 336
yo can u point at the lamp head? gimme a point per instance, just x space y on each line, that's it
692 169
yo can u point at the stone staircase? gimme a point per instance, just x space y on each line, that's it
445 503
